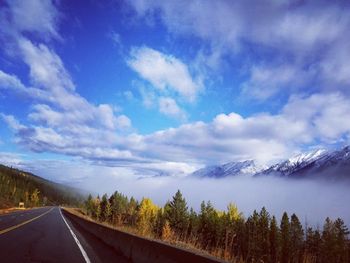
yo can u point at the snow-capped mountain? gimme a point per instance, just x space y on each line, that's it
332 165
295 163
229 169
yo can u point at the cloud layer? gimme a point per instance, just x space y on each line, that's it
295 41
309 46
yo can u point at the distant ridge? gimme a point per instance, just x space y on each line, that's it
330 165
228 169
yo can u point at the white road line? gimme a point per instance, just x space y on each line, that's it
87 260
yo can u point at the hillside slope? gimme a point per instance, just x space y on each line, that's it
19 186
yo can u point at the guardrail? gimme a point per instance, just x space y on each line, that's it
138 249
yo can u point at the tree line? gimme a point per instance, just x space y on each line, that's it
19 186
226 234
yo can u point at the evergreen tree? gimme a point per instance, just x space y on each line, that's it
285 238
296 240
226 234
263 231
312 245
328 249
176 212
103 206
207 225
119 204
132 211
159 223
253 249
193 224
341 233
89 205
274 240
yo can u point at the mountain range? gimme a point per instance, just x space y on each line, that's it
325 164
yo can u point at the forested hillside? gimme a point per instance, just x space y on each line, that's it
19 186
261 237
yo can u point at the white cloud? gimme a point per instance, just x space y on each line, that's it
46 67
11 122
265 82
36 16
164 72
311 37
60 120
229 137
10 81
149 98
324 115
123 122
303 122
168 106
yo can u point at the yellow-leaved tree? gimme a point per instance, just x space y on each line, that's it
35 197
146 218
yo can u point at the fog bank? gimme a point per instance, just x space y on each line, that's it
312 201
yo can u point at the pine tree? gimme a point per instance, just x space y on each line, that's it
207 225
176 212
226 233
132 211
253 249
103 206
159 223
341 232
263 232
89 205
274 240
285 238
119 204
296 240
312 245
328 249
193 224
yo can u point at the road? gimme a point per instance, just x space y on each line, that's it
45 235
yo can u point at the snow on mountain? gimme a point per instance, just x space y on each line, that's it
320 163
229 169
317 164
333 165
295 163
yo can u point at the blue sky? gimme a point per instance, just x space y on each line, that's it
141 88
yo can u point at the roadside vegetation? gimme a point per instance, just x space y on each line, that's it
18 186
225 234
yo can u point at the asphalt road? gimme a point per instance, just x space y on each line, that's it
45 235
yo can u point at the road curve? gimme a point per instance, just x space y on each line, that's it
44 235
